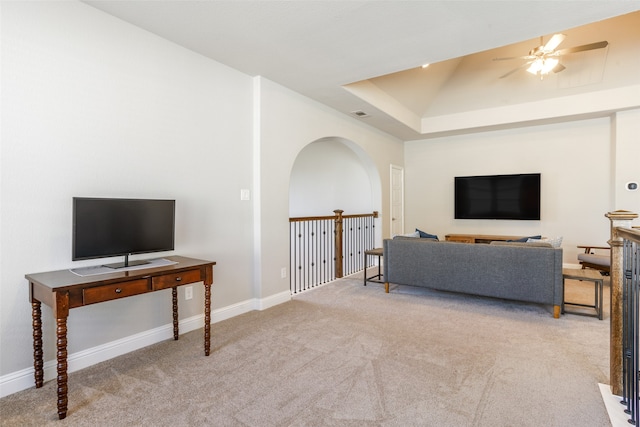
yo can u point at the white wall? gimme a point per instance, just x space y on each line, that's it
308 121
575 158
626 159
92 106
328 175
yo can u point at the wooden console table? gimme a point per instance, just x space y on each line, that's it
478 238
63 290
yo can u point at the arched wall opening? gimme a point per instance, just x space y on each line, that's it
334 173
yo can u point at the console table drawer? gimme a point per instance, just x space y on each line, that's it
115 291
176 279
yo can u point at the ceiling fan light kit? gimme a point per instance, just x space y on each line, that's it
543 66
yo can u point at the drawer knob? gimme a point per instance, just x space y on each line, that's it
178 279
118 290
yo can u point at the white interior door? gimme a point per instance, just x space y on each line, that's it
397 200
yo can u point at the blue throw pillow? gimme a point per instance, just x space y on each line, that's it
426 235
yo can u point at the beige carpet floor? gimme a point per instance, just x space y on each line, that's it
348 355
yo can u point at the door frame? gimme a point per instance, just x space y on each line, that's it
392 198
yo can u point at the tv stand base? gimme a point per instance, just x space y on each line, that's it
117 265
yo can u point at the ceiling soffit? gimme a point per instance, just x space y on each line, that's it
473 82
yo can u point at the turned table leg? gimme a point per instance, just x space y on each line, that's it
174 295
61 333
207 319
61 310
36 314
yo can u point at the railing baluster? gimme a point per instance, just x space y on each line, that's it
631 323
306 253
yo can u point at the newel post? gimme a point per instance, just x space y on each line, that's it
618 219
338 242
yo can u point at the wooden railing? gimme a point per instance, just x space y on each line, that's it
324 248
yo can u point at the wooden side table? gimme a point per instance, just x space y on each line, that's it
584 275
372 252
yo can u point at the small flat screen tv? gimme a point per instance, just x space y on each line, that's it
498 197
121 227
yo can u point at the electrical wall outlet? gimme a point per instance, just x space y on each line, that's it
283 272
188 292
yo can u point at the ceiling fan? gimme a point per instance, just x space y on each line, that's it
544 58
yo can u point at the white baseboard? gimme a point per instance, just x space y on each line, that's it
615 409
24 379
272 301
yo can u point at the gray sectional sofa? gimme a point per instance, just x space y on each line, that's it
530 272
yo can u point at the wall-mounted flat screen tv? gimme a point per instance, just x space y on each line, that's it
121 227
498 197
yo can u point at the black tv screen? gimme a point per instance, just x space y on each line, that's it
498 197
115 227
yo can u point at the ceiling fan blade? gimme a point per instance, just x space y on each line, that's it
558 68
590 46
526 64
553 42
513 57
